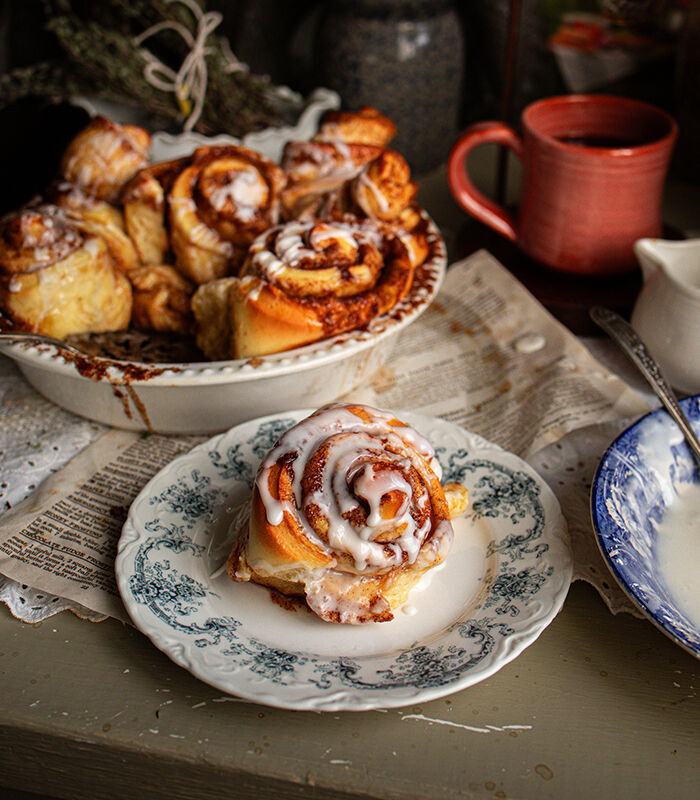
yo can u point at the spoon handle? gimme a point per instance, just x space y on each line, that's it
625 335
15 337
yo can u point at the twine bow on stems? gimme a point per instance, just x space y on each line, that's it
189 83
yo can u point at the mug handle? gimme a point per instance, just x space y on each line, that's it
461 185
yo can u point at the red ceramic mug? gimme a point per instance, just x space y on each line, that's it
593 173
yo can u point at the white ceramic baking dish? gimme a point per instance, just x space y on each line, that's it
207 397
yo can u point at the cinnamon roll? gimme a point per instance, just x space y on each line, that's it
161 299
302 282
347 511
57 280
383 191
315 168
97 218
104 156
364 126
144 200
222 199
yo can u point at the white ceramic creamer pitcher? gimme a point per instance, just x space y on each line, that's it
666 314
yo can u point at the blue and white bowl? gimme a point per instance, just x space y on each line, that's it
637 481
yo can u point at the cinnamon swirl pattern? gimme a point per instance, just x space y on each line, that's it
56 279
207 209
348 511
383 191
302 282
350 240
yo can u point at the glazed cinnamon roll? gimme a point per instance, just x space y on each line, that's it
315 168
97 218
222 199
348 512
383 191
57 280
302 282
364 126
104 156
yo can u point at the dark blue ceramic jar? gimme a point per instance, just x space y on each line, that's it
404 57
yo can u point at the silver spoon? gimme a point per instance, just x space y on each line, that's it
625 335
16 337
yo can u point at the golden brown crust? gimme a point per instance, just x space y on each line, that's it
104 156
33 238
384 189
145 205
243 318
98 218
302 282
56 280
206 209
367 125
161 299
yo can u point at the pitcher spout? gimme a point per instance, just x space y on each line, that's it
650 254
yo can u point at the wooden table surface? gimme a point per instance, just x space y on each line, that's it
599 706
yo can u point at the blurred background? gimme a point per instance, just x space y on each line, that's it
431 65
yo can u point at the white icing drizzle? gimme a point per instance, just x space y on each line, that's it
98 154
409 242
198 233
93 246
305 162
285 247
350 476
363 180
50 242
252 285
344 151
338 231
245 190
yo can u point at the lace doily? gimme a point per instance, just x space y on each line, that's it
36 439
33 605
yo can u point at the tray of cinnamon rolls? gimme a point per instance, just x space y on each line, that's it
259 284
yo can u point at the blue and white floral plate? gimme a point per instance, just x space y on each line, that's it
503 582
638 479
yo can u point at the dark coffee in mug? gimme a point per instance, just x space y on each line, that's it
602 142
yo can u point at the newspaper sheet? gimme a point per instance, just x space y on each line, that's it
485 355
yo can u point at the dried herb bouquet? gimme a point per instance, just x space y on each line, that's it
161 56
